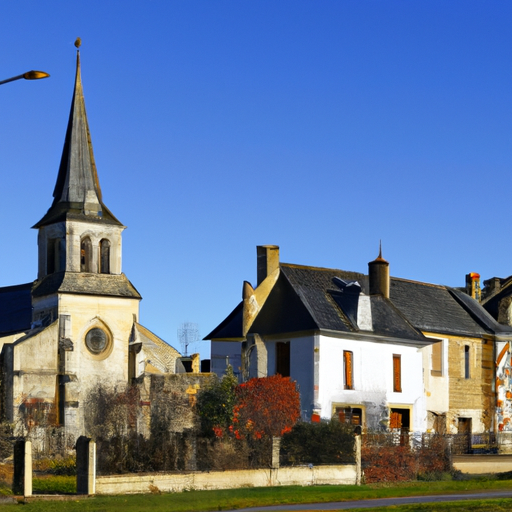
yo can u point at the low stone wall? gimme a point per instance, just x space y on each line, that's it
177 482
482 464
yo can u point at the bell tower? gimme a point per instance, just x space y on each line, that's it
79 237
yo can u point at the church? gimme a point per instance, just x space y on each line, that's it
77 325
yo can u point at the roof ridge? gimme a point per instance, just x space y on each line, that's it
295 265
432 285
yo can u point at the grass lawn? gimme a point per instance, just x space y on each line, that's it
204 501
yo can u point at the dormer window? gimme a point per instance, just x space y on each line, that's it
86 255
105 256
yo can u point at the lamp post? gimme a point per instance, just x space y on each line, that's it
29 75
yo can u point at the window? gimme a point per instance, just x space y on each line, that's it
98 341
350 415
466 361
283 358
437 359
86 255
53 256
105 257
348 370
399 419
397 373
50 256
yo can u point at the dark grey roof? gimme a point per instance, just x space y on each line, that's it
15 309
231 327
492 302
479 313
336 310
77 193
433 308
85 283
306 298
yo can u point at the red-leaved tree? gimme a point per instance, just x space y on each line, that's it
265 407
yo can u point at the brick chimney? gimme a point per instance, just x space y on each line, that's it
267 262
473 285
378 274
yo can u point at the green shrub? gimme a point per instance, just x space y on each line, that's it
327 442
59 466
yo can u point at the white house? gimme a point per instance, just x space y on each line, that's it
379 352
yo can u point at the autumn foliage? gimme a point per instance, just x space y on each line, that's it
266 407
238 422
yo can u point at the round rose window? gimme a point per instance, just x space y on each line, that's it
96 340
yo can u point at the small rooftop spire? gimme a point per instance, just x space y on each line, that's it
379 257
378 275
77 190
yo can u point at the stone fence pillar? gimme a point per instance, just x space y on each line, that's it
85 466
276 448
358 459
22 479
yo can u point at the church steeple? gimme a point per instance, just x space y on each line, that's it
78 233
77 191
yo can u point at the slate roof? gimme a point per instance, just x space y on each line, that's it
15 309
434 308
307 299
160 355
491 303
77 188
116 285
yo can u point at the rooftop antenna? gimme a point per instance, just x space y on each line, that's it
188 333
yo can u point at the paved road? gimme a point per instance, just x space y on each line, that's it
383 502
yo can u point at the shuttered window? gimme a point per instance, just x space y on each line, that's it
348 369
397 373
437 359
350 415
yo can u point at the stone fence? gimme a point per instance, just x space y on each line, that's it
195 480
88 483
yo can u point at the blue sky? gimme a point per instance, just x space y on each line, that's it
319 126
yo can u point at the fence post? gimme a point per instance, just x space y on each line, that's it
22 479
358 459
85 466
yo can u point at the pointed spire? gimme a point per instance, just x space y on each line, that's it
379 257
77 190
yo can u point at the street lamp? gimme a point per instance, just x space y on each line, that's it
29 75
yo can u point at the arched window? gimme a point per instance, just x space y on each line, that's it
55 255
105 256
51 256
86 255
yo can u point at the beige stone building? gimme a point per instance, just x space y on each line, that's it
78 324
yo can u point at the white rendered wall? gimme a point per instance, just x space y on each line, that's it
373 380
